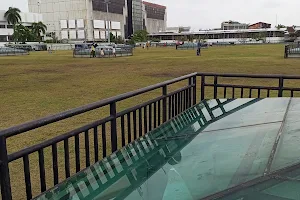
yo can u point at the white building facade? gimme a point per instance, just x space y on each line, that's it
6 30
81 19
155 17
87 20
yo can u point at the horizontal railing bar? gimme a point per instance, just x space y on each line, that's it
293 89
252 87
243 86
67 114
60 138
132 109
251 75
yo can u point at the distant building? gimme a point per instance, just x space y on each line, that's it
259 25
233 25
155 17
6 30
178 29
88 19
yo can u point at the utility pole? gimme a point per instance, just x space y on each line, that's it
108 24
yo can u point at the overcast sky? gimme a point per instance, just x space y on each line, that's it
210 13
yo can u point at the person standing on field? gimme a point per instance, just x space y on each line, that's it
102 53
114 51
93 52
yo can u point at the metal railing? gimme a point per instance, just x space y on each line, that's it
292 51
12 52
108 52
121 128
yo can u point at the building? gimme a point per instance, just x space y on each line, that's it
272 35
178 29
81 19
259 25
155 17
233 25
88 19
6 30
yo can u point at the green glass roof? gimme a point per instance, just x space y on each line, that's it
218 149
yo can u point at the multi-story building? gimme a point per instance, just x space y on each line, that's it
90 19
233 25
259 25
155 17
178 29
6 30
81 19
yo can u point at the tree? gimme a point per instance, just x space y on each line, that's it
13 15
140 36
119 40
112 38
38 29
279 26
23 34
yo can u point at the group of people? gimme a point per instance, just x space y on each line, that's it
102 54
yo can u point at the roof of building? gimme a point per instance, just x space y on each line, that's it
259 23
222 31
154 5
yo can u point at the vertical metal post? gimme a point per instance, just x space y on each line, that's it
108 24
280 91
195 90
113 113
215 87
4 171
190 93
164 91
202 87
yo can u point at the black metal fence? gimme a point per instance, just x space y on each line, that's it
292 51
108 52
5 51
120 128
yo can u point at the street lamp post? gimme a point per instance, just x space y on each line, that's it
108 24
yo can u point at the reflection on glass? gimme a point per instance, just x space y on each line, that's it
205 150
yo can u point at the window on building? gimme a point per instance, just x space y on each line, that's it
155 13
3 38
115 6
10 26
2 26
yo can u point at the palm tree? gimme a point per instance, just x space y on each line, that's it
39 28
13 15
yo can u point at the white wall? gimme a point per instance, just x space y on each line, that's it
154 25
55 10
112 17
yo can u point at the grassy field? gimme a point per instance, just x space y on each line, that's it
42 84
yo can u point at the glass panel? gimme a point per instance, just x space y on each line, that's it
288 152
191 157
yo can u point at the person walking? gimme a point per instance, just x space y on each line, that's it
114 52
93 52
102 53
199 49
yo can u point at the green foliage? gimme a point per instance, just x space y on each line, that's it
23 34
155 40
38 29
112 38
119 40
279 26
140 36
13 15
